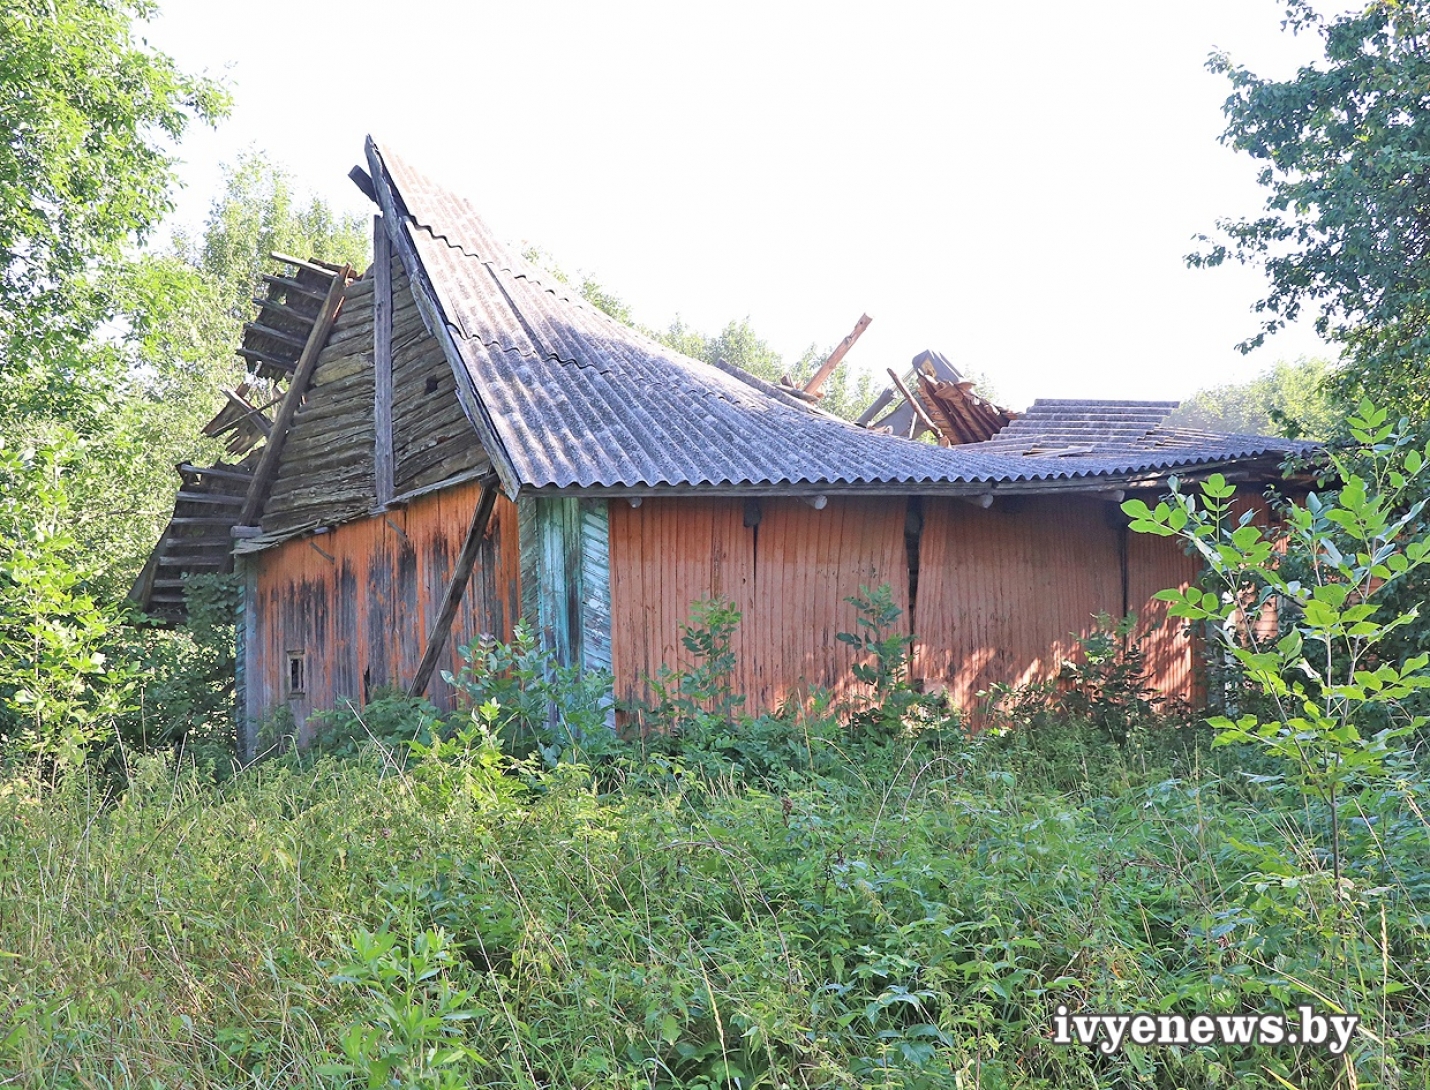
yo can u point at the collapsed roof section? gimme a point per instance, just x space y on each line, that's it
564 397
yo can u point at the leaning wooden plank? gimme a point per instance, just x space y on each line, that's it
246 410
868 415
382 361
302 372
437 639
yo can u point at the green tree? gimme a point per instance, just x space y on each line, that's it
847 392
61 693
90 118
169 352
1344 148
261 212
1286 399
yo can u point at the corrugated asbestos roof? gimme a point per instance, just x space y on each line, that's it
577 399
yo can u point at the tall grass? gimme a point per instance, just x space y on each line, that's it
910 917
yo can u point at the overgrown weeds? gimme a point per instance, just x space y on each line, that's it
909 915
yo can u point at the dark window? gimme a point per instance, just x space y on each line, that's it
295 673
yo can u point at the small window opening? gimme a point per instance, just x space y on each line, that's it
432 384
295 673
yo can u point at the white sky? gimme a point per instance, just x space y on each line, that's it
1013 184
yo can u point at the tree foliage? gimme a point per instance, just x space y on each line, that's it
259 212
90 118
1344 148
1286 399
847 392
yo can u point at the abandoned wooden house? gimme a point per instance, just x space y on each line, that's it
462 442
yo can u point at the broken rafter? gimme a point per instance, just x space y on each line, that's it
293 285
456 587
284 309
914 404
322 268
227 472
282 337
840 350
265 359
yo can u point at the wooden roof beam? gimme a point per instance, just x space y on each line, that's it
923 416
293 285
826 368
284 309
263 359
322 268
258 329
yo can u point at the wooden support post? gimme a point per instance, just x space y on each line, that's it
302 374
456 587
382 361
840 350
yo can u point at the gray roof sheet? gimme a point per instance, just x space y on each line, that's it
578 399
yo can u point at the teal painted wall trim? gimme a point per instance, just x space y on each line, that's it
595 586
566 577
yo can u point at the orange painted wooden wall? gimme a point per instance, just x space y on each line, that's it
358 602
1002 595
788 576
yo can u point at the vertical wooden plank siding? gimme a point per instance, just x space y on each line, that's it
551 565
1004 591
789 576
1155 564
359 618
595 586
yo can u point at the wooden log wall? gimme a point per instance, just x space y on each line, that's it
357 602
788 574
326 473
327 470
432 438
